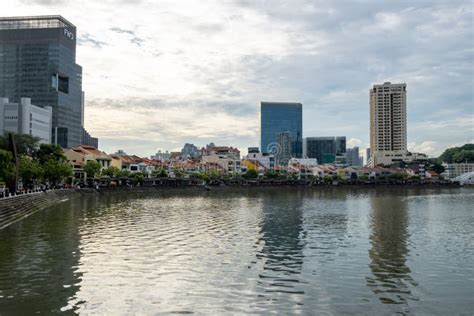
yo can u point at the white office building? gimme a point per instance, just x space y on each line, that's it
454 170
26 118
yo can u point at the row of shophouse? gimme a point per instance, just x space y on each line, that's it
221 159
226 160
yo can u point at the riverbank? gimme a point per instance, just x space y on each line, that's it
237 182
17 207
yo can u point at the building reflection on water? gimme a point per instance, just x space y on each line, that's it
39 263
391 280
282 241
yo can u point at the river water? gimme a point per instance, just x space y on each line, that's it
323 251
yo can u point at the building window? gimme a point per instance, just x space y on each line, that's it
63 84
54 82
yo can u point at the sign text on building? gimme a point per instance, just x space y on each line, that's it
69 34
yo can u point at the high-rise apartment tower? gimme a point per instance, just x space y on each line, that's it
388 121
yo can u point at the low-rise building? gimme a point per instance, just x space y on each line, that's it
258 161
228 152
454 170
387 158
130 163
303 167
80 155
418 170
228 158
26 118
116 161
160 155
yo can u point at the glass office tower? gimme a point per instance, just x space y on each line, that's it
38 61
326 149
281 117
340 145
321 148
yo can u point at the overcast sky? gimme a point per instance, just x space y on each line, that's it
161 73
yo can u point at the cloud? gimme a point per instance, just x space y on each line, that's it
196 71
119 30
435 148
354 142
43 2
427 147
134 39
89 39
165 124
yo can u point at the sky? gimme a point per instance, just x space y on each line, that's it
157 74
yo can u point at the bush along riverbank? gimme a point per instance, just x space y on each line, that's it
126 182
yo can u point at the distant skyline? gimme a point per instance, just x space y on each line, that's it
158 74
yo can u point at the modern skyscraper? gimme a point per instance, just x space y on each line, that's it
38 61
353 158
285 152
340 145
321 148
327 149
190 151
388 121
88 140
277 118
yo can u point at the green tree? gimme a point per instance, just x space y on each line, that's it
436 167
138 177
25 144
381 177
201 176
283 175
292 176
56 171
111 171
92 168
214 175
464 156
159 173
124 173
270 174
30 171
396 176
250 174
47 152
327 179
458 154
7 167
178 173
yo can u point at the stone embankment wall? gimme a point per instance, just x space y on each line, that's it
17 207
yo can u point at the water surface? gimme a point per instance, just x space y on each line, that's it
325 251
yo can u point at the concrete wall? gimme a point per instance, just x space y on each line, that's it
15 208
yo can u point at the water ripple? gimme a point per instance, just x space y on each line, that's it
292 251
